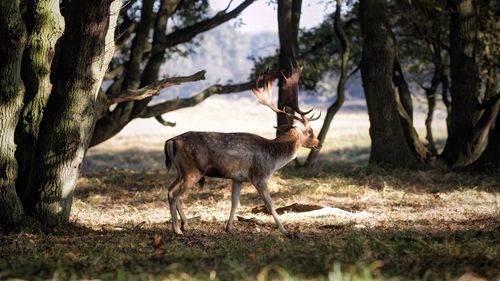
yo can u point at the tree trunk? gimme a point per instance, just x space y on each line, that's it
490 159
114 121
288 27
389 146
404 91
13 40
344 67
430 94
45 27
70 117
464 80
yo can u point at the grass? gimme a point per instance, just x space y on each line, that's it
425 225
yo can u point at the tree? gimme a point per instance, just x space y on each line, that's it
344 68
470 121
60 135
420 32
389 145
288 29
51 98
13 35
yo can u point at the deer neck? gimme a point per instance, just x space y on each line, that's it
284 148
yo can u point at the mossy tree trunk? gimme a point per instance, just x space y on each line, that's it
13 39
389 147
45 26
70 114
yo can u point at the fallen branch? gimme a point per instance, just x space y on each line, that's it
309 210
295 207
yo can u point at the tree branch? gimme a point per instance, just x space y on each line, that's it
171 105
185 34
153 89
164 122
114 72
344 69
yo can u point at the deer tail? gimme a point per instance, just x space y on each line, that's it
169 153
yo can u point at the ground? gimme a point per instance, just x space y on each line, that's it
425 225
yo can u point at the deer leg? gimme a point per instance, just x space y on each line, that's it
263 190
173 191
235 202
180 210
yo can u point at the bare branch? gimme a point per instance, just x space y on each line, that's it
153 89
185 34
175 104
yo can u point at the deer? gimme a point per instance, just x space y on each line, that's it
240 157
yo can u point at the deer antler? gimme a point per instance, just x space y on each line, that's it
264 95
291 84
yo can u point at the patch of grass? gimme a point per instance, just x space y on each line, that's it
375 253
425 225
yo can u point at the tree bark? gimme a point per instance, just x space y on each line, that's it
71 110
13 39
113 121
430 94
490 159
398 79
344 68
46 26
288 28
464 79
389 147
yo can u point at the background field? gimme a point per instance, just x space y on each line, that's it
423 224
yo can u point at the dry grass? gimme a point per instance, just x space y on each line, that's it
425 225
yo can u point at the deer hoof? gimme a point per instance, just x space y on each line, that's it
229 228
178 231
293 235
184 227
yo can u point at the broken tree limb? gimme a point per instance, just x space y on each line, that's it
164 122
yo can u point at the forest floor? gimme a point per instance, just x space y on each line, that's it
399 224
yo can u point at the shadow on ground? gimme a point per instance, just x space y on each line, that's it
441 246
133 252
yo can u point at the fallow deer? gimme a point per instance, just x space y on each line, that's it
241 157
